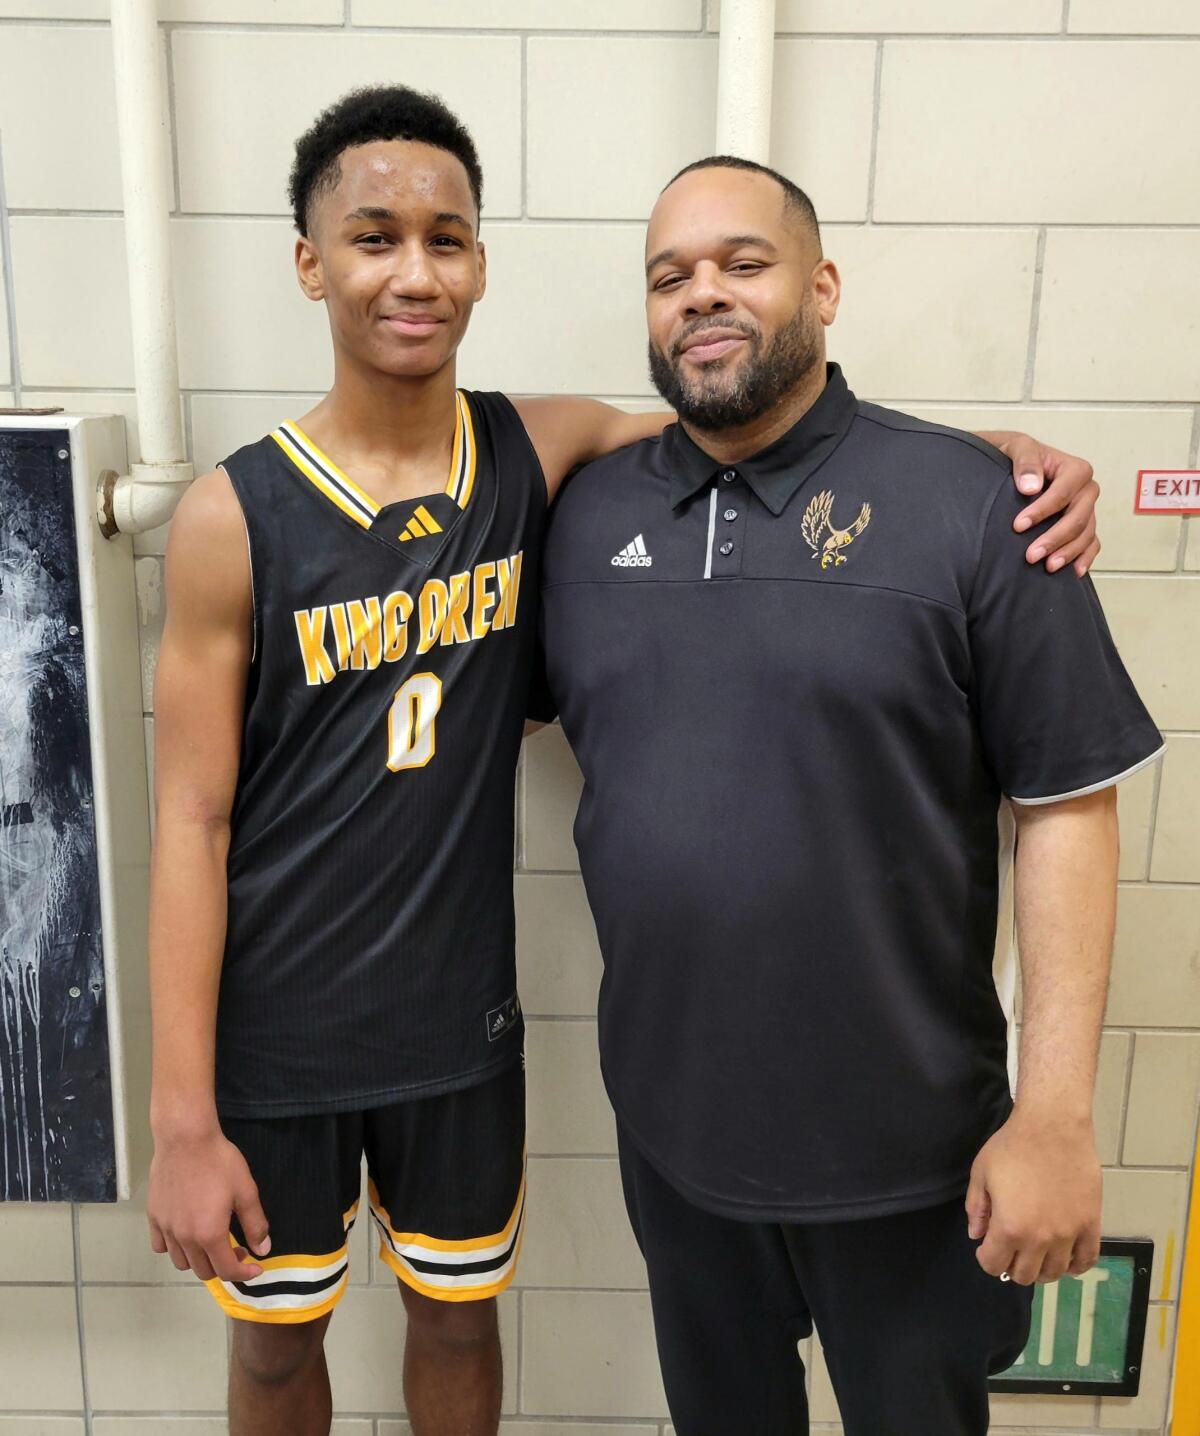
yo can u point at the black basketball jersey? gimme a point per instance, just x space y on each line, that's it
370 946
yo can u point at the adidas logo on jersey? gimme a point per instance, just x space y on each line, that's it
501 1018
633 555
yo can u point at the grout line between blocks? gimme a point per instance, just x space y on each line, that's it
448 32
877 102
9 287
29 22
1035 314
85 1389
524 125
172 127
1189 522
520 1349
1153 824
1128 1088
452 33
188 442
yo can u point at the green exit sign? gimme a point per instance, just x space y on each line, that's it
1087 1331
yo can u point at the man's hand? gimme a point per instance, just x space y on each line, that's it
1034 1198
1064 485
195 1183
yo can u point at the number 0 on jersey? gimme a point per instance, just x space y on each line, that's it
412 718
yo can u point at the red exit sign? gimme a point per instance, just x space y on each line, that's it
1168 491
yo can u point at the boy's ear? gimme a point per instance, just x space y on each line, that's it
308 269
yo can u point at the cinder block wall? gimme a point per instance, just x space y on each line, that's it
1012 190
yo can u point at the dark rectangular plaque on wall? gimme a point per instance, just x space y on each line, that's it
56 1111
1087 1332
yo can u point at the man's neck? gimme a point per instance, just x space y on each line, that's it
731 446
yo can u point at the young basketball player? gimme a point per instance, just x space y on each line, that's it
339 705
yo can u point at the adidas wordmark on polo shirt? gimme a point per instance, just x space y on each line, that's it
633 555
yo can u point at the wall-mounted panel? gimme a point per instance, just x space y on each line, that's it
74 823
56 1114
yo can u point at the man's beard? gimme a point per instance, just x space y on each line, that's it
711 401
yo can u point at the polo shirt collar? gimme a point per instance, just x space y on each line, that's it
776 472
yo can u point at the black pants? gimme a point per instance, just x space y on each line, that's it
910 1323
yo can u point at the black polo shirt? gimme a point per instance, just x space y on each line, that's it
798 688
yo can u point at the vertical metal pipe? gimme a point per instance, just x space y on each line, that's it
146 497
145 179
744 76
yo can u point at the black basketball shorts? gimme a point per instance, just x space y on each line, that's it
446 1192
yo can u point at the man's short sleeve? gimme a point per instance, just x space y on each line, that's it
1058 713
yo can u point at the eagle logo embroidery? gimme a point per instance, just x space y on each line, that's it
817 518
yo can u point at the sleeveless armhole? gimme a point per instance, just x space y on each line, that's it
254 603
506 406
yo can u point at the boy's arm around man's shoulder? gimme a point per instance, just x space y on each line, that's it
197 1178
567 432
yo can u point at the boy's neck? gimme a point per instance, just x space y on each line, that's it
392 434
379 412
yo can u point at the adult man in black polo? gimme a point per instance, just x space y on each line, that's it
801 662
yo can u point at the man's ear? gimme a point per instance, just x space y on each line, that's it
827 289
308 269
481 286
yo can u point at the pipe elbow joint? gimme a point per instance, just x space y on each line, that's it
143 499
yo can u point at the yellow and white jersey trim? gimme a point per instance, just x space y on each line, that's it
340 489
291 1288
453 1270
461 482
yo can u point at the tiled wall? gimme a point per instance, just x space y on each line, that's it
1012 190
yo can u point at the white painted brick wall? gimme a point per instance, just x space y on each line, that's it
1010 190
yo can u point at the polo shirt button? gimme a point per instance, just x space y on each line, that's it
729 475
726 549
730 515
